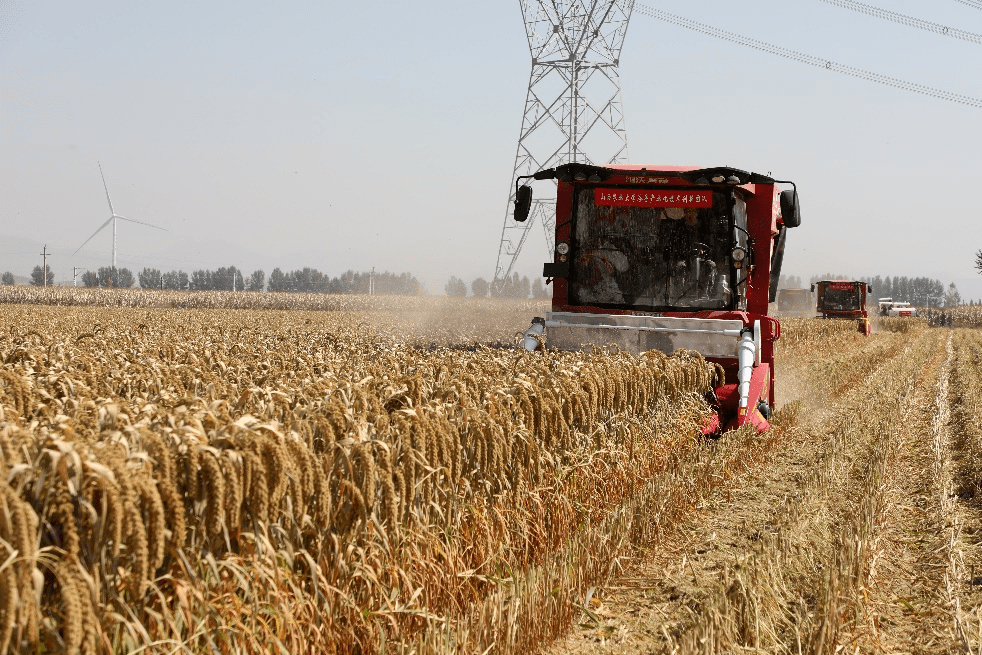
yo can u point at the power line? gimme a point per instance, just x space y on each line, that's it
909 21
800 57
971 3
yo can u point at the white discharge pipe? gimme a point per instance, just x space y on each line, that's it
533 335
746 355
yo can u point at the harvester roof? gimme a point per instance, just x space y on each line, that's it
692 174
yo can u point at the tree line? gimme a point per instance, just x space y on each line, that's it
349 282
230 278
509 287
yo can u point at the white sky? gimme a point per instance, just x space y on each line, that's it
345 135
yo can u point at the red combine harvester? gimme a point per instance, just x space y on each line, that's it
843 299
662 258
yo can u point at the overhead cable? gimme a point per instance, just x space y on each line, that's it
971 3
803 58
909 21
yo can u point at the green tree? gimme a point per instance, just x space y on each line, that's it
176 280
38 275
511 287
456 288
978 261
257 281
952 298
150 278
8 278
480 288
115 278
278 281
125 278
310 280
90 279
227 278
201 280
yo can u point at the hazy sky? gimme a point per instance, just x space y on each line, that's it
345 135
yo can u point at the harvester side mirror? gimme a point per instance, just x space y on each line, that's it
523 203
813 288
790 208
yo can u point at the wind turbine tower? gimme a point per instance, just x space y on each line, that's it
112 219
573 110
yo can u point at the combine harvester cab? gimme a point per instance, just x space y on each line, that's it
663 258
843 299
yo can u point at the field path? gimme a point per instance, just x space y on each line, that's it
844 540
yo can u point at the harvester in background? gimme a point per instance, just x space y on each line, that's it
890 307
666 257
843 299
794 301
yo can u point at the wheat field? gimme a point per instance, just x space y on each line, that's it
395 475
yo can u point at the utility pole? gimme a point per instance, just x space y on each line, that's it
75 270
44 266
573 110
371 283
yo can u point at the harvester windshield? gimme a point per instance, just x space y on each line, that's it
840 299
658 249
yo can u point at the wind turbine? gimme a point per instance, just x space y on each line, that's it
112 219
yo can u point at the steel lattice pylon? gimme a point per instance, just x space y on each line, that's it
573 109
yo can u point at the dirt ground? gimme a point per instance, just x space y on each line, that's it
849 538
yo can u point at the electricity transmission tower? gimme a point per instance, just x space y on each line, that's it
573 108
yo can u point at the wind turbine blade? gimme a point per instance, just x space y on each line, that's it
94 233
104 186
132 220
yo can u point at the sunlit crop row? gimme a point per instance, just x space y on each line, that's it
98 297
325 481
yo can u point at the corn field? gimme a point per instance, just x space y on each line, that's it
967 316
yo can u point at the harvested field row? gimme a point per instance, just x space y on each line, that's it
842 540
964 441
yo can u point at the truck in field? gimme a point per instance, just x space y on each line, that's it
843 299
670 257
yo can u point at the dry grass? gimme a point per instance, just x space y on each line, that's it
967 316
844 536
404 480
966 393
313 482
803 589
149 298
